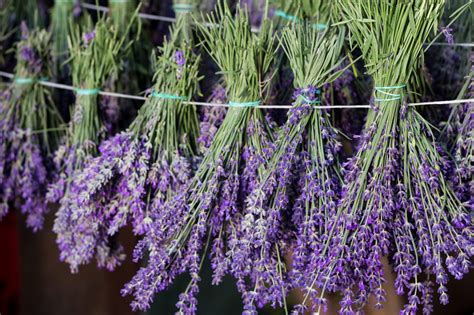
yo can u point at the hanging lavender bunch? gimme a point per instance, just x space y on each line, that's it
95 55
395 200
29 130
306 153
204 211
139 169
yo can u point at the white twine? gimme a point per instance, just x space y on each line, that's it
254 29
144 98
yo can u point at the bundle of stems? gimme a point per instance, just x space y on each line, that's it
396 200
30 130
304 167
208 209
94 56
140 168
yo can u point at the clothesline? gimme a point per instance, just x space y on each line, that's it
144 98
254 29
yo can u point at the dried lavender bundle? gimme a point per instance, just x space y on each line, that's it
138 169
304 166
95 55
395 200
29 130
204 211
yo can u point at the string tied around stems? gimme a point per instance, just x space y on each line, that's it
245 104
87 91
310 95
389 92
183 7
21 80
294 18
168 96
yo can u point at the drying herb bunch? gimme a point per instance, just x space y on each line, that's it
95 55
396 200
29 130
208 209
140 168
304 166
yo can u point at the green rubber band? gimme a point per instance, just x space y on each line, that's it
87 91
286 16
168 96
393 96
24 80
183 7
244 104
308 101
320 26
401 86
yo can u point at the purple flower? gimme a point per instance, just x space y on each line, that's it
179 58
28 54
448 34
88 37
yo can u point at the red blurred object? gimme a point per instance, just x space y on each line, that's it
9 265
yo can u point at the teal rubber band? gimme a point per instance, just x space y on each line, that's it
308 101
394 96
285 15
320 26
183 7
244 104
401 86
24 80
87 91
168 96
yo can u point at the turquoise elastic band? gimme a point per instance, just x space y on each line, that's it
24 80
286 16
308 101
183 7
87 91
393 96
320 26
244 104
168 96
